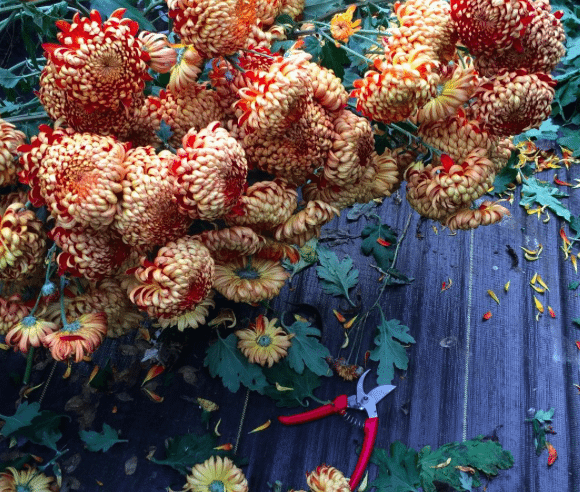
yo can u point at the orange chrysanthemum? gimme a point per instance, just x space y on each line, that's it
513 102
213 28
306 223
162 56
147 215
249 279
230 242
12 311
487 213
263 342
387 176
327 479
327 88
10 140
185 70
29 332
210 173
22 242
77 339
342 27
179 278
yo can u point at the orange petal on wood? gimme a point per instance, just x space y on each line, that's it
552 454
262 427
225 447
153 396
154 371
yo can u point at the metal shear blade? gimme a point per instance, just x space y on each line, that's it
368 402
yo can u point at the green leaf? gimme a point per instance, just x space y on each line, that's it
312 46
308 257
184 452
302 385
572 142
107 7
389 350
397 469
17 463
337 277
101 441
576 320
23 417
165 132
466 481
334 58
8 80
316 8
507 175
487 457
225 360
573 285
544 194
544 415
306 350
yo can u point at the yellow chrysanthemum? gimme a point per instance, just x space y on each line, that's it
263 342
327 479
249 279
190 319
342 27
29 332
216 474
27 480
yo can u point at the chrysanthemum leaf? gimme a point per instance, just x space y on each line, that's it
101 441
337 277
225 360
544 194
306 350
302 385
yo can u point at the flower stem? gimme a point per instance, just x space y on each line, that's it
62 310
26 117
346 48
152 5
28 370
18 6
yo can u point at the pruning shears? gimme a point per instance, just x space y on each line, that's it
360 401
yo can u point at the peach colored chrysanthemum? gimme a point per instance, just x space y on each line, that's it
327 88
216 474
77 339
214 28
277 251
488 26
263 342
513 102
25 480
231 242
342 26
88 253
327 479
190 319
10 140
29 332
339 196
398 87
186 69
292 7
179 278
79 178
249 279
487 213
456 87
147 215
264 205
162 56
12 311
210 173
306 223
387 177
22 242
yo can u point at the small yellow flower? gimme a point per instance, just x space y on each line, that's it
342 27
29 480
216 474
29 332
263 342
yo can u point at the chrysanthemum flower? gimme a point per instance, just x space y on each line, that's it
99 65
230 242
339 196
306 223
292 7
216 474
186 69
455 88
213 28
30 331
210 172
351 149
10 140
22 242
488 26
12 311
179 278
400 86
78 338
88 253
27 480
487 213
388 176
249 279
513 102
342 27
190 319
162 56
264 205
327 479
147 215
263 342
327 88
277 251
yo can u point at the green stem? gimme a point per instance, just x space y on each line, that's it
18 6
81 8
26 117
5 23
62 309
318 400
29 359
414 137
346 48
153 5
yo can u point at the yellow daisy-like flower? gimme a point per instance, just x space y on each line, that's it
29 480
327 479
249 280
29 332
342 27
216 474
263 342
190 319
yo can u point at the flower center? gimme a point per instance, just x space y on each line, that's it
22 488
216 486
264 341
248 274
72 327
29 321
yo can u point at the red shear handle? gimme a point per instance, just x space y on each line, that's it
338 405
371 428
